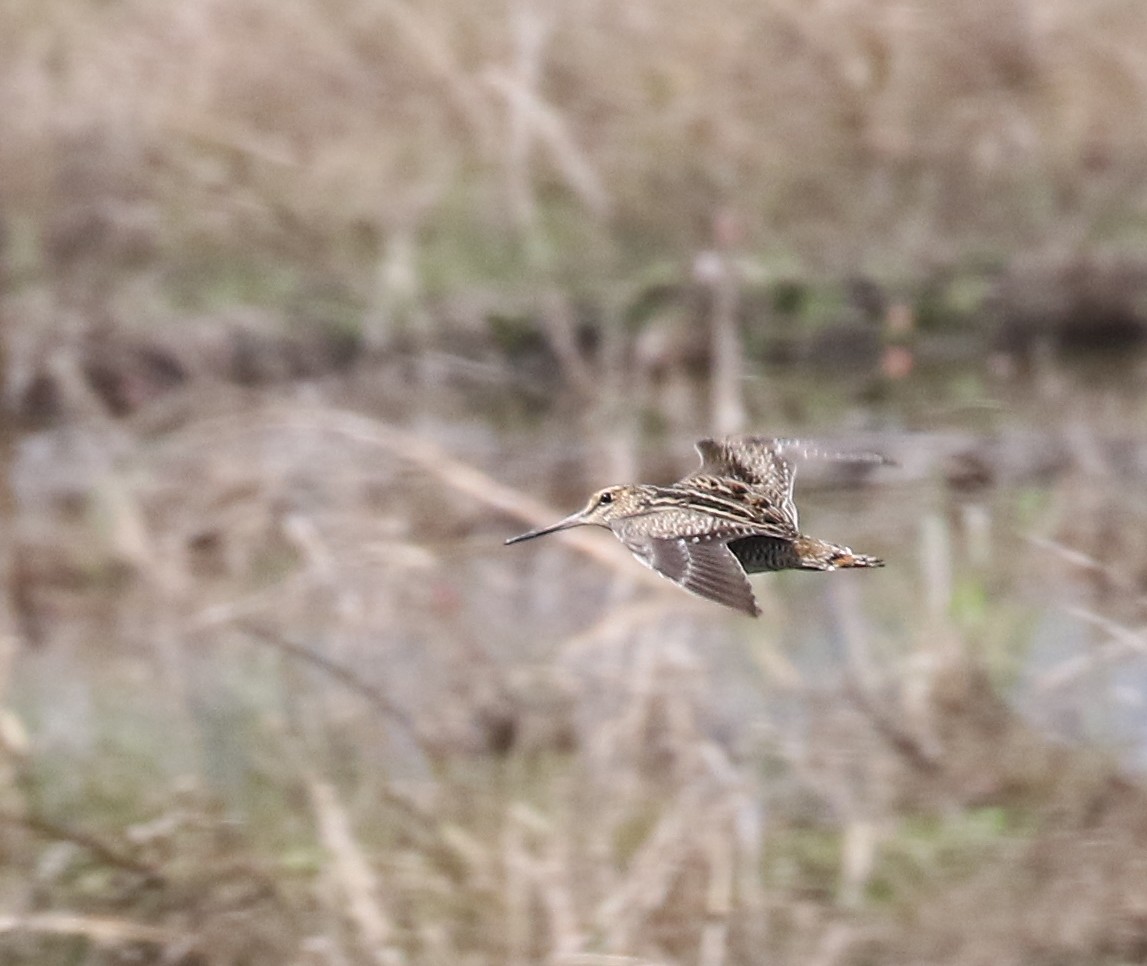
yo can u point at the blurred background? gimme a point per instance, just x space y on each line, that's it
306 306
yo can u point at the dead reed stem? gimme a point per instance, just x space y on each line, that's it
531 31
441 63
561 327
517 892
1121 642
472 483
101 930
728 395
103 851
719 898
860 687
338 672
353 874
651 870
10 637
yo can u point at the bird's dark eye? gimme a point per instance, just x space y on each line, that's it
604 499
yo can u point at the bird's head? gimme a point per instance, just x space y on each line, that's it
605 506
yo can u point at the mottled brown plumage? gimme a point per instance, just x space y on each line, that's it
733 516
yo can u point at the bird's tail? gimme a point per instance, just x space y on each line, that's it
846 558
821 555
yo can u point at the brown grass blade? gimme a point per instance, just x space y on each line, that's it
103 851
101 930
475 484
353 874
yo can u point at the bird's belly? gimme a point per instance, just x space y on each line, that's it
760 554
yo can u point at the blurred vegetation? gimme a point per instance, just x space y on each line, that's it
389 151
275 693
301 299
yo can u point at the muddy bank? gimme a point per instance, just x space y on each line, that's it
545 343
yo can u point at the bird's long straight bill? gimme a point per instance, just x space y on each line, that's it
571 521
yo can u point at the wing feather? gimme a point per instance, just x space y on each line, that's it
703 566
758 462
767 465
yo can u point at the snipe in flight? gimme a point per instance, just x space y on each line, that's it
731 517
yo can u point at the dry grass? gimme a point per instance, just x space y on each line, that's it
387 149
269 690
317 714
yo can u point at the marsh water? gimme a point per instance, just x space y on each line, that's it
1013 491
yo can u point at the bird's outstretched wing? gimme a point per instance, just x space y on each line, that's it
757 461
703 565
768 465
